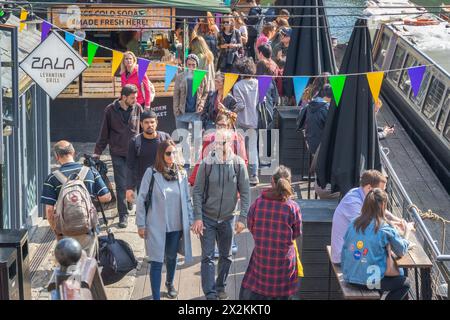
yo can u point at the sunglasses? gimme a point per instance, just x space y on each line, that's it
169 153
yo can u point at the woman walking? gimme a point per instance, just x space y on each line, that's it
164 216
275 222
129 75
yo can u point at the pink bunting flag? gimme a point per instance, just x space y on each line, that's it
263 85
142 68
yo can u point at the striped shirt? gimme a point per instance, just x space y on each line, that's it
93 181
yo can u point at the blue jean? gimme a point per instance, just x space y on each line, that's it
183 120
252 152
120 178
223 232
171 250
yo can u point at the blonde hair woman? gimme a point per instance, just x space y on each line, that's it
206 60
129 75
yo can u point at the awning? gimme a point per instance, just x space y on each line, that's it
199 5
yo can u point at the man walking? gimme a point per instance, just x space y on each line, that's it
142 152
120 124
64 154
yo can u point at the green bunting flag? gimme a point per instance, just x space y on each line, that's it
92 49
197 80
337 86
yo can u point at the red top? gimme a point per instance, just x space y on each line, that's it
238 148
272 269
143 97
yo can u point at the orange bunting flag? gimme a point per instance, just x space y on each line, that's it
116 61
230 80
375 80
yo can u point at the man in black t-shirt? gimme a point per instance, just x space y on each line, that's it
142 152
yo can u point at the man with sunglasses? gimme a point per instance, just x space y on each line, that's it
221 176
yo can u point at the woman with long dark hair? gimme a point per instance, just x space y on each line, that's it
366 255
164 215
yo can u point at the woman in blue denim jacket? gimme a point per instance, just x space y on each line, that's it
364 254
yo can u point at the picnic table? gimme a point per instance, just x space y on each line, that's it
417 260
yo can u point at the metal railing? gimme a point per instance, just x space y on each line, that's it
401 205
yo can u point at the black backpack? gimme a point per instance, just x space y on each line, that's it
115 256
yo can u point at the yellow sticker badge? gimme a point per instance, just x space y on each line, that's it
360 245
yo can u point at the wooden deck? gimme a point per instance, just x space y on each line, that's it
187 277
420 182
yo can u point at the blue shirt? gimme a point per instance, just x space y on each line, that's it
363 257
93 181
348 209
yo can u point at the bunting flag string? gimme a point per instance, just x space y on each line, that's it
416 77
263 85
92 49
116 61
229 81
337 83
299 87
375 80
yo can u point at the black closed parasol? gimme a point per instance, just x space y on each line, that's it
350 141
310 52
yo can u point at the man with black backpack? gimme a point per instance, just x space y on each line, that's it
67 195
142 152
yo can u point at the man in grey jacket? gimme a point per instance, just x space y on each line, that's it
221 178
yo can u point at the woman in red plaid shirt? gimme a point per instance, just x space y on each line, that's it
275 222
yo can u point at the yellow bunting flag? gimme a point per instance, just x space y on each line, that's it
116 61
230 80
375 80
23 17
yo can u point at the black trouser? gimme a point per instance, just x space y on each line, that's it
120 179
251 46
398 287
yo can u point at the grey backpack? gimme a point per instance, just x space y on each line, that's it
75 213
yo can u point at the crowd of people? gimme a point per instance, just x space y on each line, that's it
212 201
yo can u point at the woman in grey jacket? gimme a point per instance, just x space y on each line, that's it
164 216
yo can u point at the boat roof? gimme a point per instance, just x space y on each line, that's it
433 40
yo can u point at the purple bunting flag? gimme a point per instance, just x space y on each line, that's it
416 76
263 85
45 29
142 68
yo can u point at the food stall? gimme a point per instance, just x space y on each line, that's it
147 31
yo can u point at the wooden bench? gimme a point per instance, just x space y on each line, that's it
349 291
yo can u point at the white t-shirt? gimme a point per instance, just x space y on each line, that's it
243 31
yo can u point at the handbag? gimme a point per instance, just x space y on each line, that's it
391 267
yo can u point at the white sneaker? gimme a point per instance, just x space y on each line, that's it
254 180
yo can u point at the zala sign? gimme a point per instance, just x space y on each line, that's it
53 65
